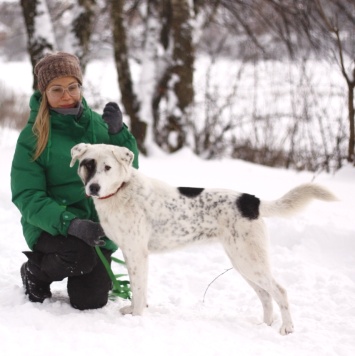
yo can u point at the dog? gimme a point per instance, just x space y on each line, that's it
144 215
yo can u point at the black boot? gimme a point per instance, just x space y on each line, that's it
37 290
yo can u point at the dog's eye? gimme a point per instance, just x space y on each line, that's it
107 168
88 164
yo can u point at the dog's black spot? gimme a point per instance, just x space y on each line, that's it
248 205
90 168
190 192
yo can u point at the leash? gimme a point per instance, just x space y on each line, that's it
120 288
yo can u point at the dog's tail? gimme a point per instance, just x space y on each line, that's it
295 200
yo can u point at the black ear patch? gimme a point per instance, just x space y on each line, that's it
248 206
190 192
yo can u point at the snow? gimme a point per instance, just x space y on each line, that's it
312 256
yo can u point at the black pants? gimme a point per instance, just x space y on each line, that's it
57 257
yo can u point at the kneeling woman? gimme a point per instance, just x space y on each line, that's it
59 222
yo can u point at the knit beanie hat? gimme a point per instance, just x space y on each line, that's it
56 65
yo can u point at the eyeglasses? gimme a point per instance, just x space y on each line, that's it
57 91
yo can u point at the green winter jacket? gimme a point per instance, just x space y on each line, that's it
48 193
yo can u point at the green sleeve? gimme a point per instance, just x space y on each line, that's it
29 191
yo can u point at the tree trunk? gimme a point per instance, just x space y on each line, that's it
176 85
183 55
129 99
82 27
351 112
152 63
40 35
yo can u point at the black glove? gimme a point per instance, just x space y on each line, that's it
113 117
88 231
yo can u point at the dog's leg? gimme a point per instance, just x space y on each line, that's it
249 255
137 266
278 293
266 302
264 281
280 296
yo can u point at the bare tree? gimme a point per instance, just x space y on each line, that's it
81 24
40 35
128 96
333 28
171 91
179 82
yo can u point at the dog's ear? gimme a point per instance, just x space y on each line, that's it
123 154
77 151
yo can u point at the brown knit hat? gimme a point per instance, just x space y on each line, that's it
56 65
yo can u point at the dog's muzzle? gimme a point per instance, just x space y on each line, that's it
94 189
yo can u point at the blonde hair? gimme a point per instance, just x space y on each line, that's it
41 127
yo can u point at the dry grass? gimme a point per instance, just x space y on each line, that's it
14 110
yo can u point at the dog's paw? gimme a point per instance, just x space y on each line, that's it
128 309
268 320
286 329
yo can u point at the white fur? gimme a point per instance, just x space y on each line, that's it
146 215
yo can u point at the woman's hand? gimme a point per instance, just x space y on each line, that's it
113 117
88 231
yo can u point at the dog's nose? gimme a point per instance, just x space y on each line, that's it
94 189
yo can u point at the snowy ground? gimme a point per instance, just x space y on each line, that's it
312 256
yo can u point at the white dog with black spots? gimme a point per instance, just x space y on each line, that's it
144 215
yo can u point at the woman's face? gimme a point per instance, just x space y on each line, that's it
63 93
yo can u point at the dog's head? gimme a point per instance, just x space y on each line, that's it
102 168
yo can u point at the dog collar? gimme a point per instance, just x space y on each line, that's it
111 195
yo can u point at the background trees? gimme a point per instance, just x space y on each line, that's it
166 37
40 35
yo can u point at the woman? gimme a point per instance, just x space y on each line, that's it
59 223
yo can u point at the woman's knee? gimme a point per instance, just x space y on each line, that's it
84 293
84 301
91 290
